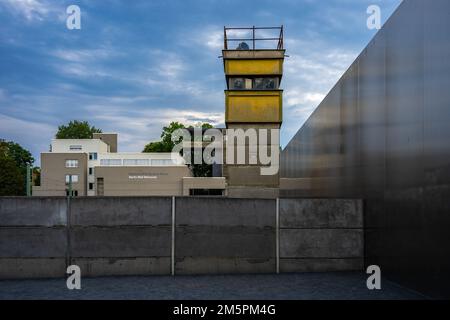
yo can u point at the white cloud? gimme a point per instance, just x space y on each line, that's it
32 135
31 9
296 97
83 63
139 127
81 70
311 70
84 55
214 40
170 73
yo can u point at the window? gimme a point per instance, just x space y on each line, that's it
162 162
266 83
237 84
241 83
75 147
74 178
91 171
71 163
93 156
91 186
135 162
255 84
111 162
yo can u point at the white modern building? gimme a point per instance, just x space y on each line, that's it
93 167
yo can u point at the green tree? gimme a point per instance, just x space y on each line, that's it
13 168
201 170
157 146
11 179
21 156
76 130
166 145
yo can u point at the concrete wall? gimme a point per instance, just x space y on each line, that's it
126 235
33 237
40 237
321 235
219 235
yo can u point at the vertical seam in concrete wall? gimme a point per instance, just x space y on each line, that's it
68 230
172 248
277 235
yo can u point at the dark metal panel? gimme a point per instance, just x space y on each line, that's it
383 133
349 151
404 97
437 93
372 115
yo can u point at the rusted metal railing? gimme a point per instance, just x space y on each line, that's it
254 39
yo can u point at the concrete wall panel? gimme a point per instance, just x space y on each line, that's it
219 265
33 242
321 213
225 212
225 242
229 235
20 211
28 268
120 242
95 267
321 265
116 211
321 243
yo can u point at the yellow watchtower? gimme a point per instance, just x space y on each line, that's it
253 64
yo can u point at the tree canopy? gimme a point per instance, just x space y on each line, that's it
13 168
166 145
76 130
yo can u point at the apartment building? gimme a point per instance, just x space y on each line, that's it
93 167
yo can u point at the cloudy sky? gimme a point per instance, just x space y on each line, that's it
135 65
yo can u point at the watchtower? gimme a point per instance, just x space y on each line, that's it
253 65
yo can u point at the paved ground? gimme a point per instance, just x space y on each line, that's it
342 285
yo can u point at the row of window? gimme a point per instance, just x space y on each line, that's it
253 83
125 162
74 163
136 162
71 163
